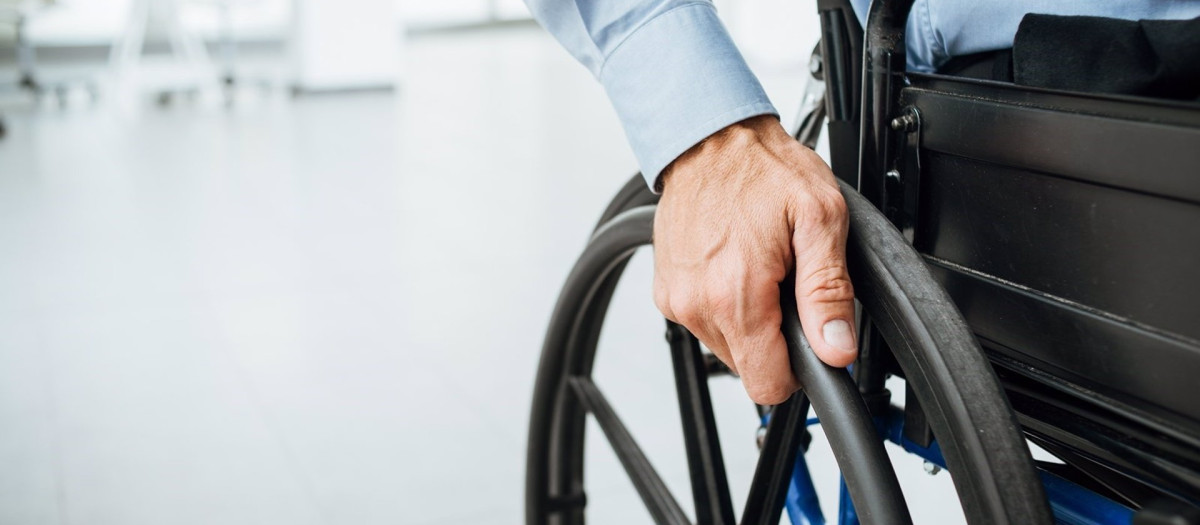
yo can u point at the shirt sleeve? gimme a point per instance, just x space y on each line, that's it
941 29
669 67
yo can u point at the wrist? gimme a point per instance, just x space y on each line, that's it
736 138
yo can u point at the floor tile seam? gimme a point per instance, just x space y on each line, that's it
274 429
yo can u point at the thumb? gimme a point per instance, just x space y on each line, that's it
824 295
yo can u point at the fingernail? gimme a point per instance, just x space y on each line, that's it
838 335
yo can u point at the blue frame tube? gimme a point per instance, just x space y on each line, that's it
1071 503
846 513
802 505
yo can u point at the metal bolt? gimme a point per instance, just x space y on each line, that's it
893 174
904 123
908 121
932 469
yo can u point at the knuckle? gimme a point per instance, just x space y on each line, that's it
661 299
836 207
703 305
687 314
825 205
830 205
828 285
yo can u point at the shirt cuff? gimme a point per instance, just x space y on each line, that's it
675 81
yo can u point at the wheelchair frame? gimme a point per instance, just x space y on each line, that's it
1128 435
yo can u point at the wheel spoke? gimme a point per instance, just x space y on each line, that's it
764 505
710 488
662 506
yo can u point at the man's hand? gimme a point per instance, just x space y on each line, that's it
738 212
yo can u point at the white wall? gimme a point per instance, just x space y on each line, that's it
90 22
93 22
446 12
351 44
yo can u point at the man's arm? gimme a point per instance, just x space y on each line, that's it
668 66
743 203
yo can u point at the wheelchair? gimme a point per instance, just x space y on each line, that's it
1023 258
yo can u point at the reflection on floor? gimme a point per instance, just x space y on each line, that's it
325 310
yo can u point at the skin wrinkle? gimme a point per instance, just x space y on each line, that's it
831 286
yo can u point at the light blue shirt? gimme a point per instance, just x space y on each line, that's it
675 77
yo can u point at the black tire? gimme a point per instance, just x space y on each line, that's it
634 194
944 365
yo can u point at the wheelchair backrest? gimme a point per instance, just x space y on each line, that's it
1066 227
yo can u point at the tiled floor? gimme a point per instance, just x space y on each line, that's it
324 310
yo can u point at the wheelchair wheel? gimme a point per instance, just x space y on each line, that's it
945 369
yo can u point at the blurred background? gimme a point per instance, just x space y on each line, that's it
290 261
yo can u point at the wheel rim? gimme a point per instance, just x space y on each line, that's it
564 395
